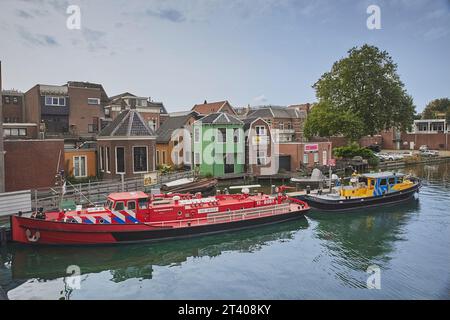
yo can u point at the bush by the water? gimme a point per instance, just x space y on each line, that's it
353 150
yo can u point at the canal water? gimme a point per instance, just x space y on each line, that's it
402 251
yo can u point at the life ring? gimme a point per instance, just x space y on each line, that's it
32 237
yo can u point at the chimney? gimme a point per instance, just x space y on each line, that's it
205 102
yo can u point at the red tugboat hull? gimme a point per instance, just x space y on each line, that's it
48 232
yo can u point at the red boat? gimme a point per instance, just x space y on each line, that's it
129 217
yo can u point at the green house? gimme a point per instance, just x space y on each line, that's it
219 145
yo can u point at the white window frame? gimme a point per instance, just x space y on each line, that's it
258 130
262 159
58 104
238 135
305 158
96 103
79 169
219 134
107 158
124 165
146 158
101 159
196 134
197 158
316 157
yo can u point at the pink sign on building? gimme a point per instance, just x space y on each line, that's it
311 147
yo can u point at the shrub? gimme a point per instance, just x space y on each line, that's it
353 150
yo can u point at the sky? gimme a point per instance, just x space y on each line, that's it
182 52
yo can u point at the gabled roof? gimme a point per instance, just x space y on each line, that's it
172 123
125 94
128 123
220 118
213 107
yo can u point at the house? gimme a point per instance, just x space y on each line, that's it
73 110
126 146
80 162
13 106
435 133
298 155
154 113
219 145
286 123
259 148
214 107
174 142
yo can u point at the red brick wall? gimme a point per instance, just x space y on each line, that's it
437 141
32 105
32 164
296 151
81 113
13 112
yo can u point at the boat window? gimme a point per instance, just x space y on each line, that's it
372 182
391 181
108 204
119 205
131 205
383 182
143 203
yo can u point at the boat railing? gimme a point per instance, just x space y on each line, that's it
241 214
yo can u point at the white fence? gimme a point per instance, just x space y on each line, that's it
13 202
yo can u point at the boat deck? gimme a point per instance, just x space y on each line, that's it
222 217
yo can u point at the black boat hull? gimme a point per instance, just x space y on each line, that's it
358 203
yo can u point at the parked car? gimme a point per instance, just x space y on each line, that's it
430 153
374 148
382 156
408 154
423 147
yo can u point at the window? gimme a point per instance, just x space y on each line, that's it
120 160
196 134
197 158
119 206
107 160
140 159
6 132
236 135
391 181
22 132
260 130
79 166
131 205
55 101
15 100
92 128
187 157
305 158
383 182
143 203
316 157
7 99
94 101
281 125
14 132
163 157
289 126
101 158
222 135
261 157
157 156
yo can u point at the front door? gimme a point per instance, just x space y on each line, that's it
228 160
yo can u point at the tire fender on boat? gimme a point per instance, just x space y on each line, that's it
32 237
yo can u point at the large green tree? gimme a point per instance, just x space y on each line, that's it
438 108
361 95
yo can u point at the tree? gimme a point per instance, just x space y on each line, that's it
361 95
438 108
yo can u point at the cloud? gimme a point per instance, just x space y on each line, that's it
260 99
36 39
23 14
172 15
94 38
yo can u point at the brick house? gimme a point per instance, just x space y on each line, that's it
126 146
214 107
304 154
75 109
174 139
259 147
154 113
13 106
285 123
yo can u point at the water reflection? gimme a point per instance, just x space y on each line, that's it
137 261
362 238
